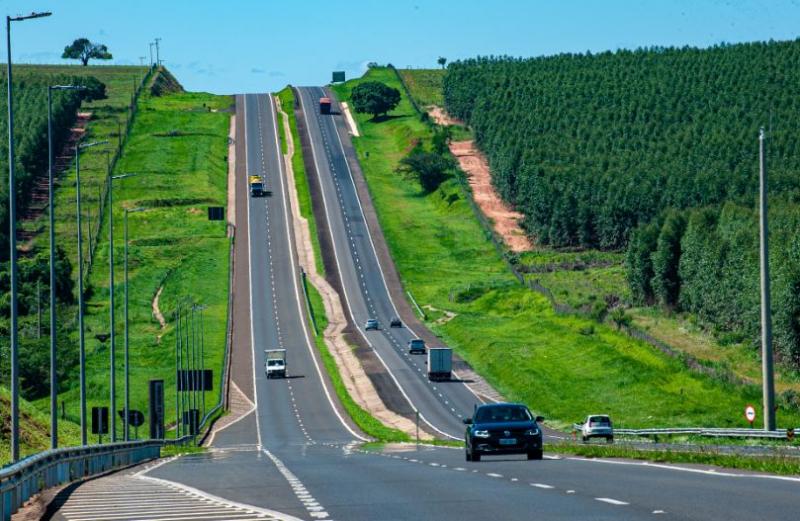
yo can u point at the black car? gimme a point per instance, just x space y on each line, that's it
503 428
395 322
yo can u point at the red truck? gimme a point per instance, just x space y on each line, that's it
324 105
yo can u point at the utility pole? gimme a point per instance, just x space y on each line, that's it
158 55
177 372
38 308
12 243
766 311
151 54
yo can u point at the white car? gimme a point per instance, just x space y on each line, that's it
597 426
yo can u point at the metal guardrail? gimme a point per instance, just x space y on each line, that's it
22 480
778 434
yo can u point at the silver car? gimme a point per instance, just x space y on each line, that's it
597 426
372 323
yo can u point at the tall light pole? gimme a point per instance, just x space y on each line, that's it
766 311
81 336
12 241
151 53
112 346
126 419
158 53
51 197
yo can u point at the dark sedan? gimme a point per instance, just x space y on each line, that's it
503 428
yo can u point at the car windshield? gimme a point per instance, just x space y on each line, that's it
275 362
502 413
417 343
602 420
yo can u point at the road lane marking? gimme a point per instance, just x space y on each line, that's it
542 485
315 509
611 501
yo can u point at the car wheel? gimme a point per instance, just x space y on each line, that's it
584 439
536 454
467 456
610 439
476 456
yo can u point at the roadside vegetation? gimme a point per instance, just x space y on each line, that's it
562 366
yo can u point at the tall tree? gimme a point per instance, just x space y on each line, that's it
442 61
374 97
84 50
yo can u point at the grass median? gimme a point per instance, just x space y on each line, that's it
563 367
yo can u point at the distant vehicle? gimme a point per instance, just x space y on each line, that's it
324 105
597 426
275 365
416 345
257 187
503 428
440 363
372 323
395 322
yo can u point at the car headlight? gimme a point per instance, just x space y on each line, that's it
532 432
481 434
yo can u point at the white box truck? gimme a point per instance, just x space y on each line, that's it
275 364
440 363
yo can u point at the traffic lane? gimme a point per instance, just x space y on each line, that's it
374 487
432 411
685 492
303 393
243 476
364 273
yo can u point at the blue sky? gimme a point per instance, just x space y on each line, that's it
256 46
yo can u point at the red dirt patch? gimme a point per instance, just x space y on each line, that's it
505 220
441 117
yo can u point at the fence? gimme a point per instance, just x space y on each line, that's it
778 434
19 482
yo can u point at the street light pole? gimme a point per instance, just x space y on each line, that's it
766 311
12 240
151 54
112 346
81 334
126 419
158 54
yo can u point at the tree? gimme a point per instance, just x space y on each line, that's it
428 168
374 97
84 50
442 61
666 259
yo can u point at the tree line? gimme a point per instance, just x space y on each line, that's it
588 146
30 132
706 261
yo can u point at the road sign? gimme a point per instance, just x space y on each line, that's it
750 414
216 213
99 420
196 380
157 409
135 418
338 76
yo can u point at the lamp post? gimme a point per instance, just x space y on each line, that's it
81 337
112 345
12 240
50 195
126 418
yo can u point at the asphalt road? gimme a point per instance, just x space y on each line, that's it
442 405
295 455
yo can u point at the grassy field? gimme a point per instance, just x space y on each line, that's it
177 149
562 366
425 85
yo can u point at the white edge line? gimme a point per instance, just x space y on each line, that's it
300 309
237 420
377 259
687 469
344 286
611 501
142 475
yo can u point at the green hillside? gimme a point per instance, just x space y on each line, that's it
589 145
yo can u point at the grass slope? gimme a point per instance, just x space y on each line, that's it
178 149
34 429
425 85
563 367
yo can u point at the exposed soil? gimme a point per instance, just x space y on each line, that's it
441 117
158 315
505 220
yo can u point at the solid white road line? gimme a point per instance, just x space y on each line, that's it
611 501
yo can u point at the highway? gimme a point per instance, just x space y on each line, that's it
442 405
295 455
